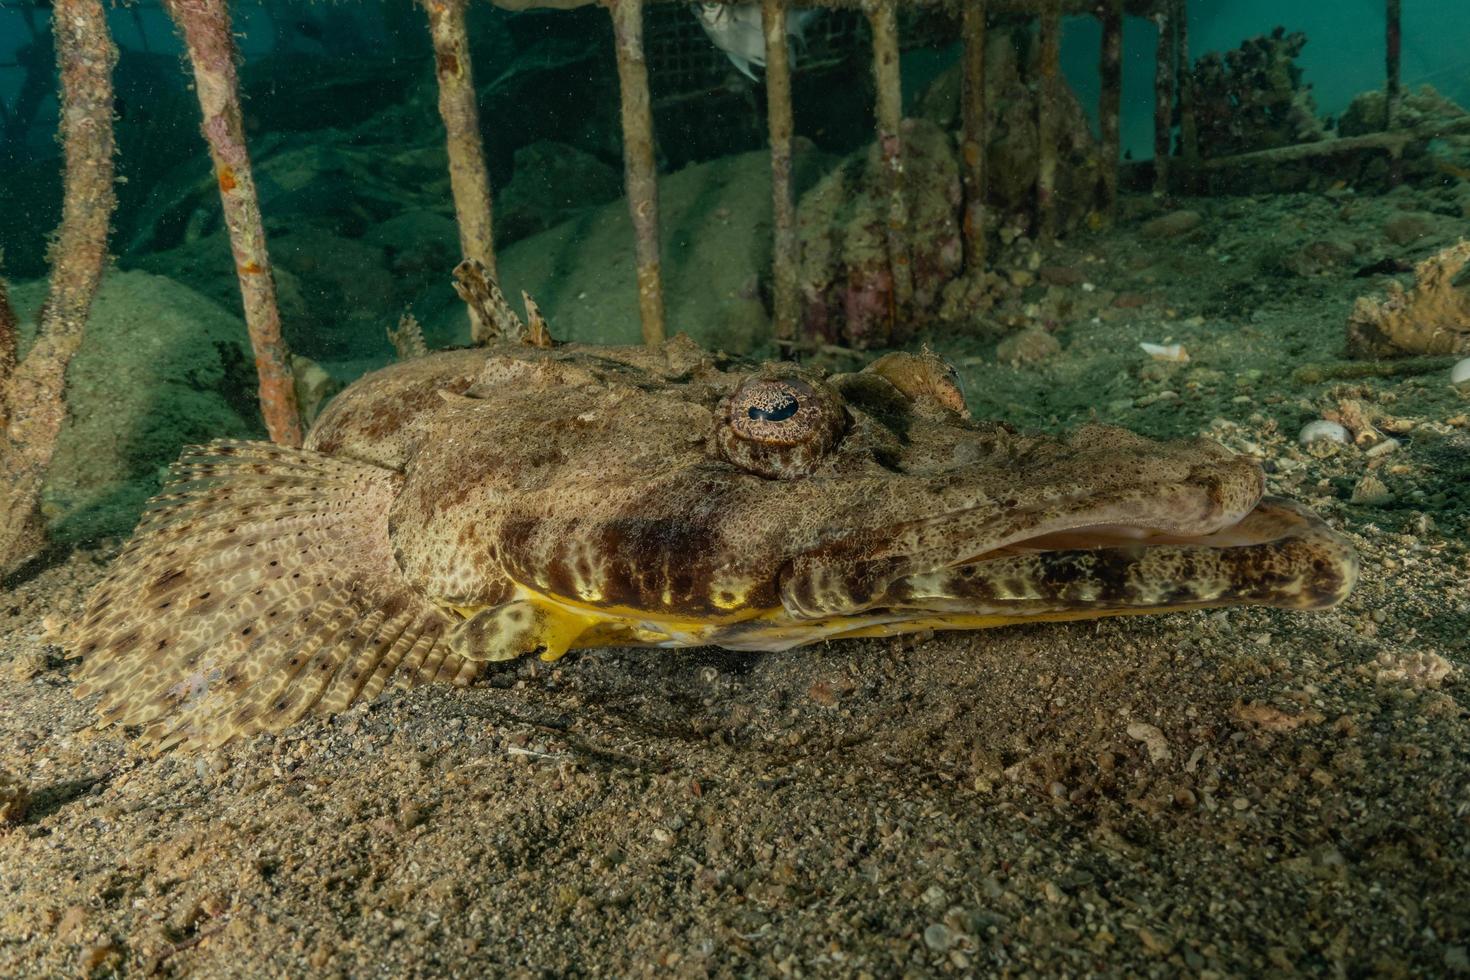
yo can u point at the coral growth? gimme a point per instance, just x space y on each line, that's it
1253 98
1431 318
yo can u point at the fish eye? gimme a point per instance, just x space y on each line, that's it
779 427
784 407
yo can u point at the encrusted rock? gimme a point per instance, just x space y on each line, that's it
1431 318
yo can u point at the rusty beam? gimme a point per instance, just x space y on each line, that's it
210 42
783 201
469 180
640 174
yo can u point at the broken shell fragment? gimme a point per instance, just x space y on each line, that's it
1460 375
1166 352
1321 430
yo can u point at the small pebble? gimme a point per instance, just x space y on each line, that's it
938 937
1321 430
1460 374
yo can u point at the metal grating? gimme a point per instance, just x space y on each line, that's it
684 65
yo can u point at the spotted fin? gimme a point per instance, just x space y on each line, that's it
259 586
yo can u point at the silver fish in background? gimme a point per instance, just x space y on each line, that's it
735 28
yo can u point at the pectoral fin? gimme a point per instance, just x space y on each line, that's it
260 586
514 629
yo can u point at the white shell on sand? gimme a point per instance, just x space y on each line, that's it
1322 430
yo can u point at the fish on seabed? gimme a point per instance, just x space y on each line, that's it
477 505
735 28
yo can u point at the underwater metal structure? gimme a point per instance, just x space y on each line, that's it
32 401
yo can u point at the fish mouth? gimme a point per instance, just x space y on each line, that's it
1049 568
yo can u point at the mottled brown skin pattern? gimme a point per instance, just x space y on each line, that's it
479 504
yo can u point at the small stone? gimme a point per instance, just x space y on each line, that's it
1460 375
1027 347
938 937
1371 490
1153 740
1061 275
1457 959
1171 225
28 664
934 895
1406 229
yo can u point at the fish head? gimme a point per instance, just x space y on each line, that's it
775 506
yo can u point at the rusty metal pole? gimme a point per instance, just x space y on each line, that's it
974 137
1395 43
469 181
783 202
211 45
640 173
883 18
1046 119
1188 125
1163 100
1110 103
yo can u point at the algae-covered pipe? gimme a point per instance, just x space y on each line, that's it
469 181
883 19
783 205
1110 103
1188 124
1046 119
1394 49
1163 100
973 138
640 175
211 47
32 391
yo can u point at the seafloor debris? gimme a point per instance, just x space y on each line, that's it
1253 98
14 798
1431 318
1320 431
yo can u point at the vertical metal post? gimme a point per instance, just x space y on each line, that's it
883 18
1110 102
210 42
469 181
1163 100
974 138
1395 42
1046 119
640 175
783 206
1188 126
